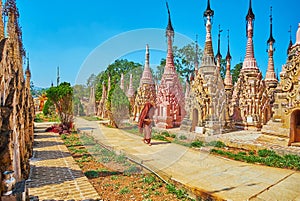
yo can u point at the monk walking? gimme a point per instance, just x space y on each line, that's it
145 122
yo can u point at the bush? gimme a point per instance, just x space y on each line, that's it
63 136
182 137
197 144
218 144
173 136
125 190
266 152
91 174
149 179
159 137
165 133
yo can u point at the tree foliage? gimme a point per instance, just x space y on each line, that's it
120 106
223 68
235 72
61 96
114 71
184 60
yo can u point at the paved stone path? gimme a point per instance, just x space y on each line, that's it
202 172
54 173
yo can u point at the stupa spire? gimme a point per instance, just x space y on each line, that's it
147 75
58 77
291 42
208 56
170 67
228 77
270 74
250 14
209 13
169 26
271 38
130 92
298 35
250 61
219 56
122 81
28 74
1 22
196 63
27 68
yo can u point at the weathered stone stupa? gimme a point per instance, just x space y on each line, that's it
146 91
101 108
248 98
170 96
131 94
219 55
91 107
16 103
228 89
206 103
270 80
286 118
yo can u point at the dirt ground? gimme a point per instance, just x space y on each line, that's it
115 181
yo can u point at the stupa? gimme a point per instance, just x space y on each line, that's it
170 95
206 103
285 122
228 88
249 97
146 91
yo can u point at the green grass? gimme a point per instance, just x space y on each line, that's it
124 190
218 144
182 137
180 193
165 133
91 118
149 179
114 177
160 137
197 144
91 174
265 157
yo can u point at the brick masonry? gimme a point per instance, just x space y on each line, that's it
54 173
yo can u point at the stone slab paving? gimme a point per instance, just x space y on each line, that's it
54 173
220 177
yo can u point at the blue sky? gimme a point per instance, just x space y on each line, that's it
71 33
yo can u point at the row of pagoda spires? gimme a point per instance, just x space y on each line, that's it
249 62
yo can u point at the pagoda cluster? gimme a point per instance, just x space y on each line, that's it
16 103
211 105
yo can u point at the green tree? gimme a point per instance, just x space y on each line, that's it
120 106
184 60
61 96
79 93
159 70
48 108
114 71
91 81
235 72
223 68
77 107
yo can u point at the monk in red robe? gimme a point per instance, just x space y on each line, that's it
145 122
